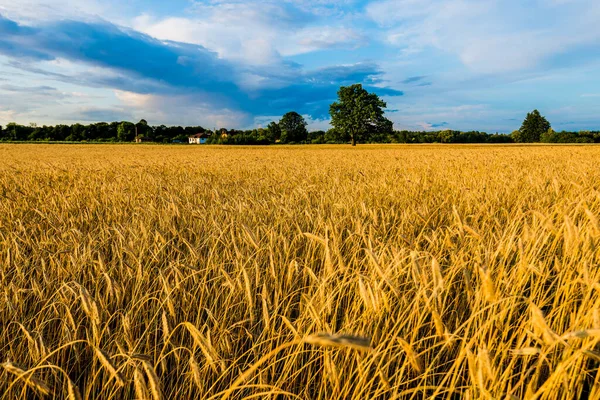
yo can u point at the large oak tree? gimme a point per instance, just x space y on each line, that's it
359 114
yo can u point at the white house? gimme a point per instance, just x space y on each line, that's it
199 138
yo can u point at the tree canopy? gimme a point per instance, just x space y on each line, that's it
532 129
359 114
293 128
273 132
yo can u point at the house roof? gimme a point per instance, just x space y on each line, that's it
200 135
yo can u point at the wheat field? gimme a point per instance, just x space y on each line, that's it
377 272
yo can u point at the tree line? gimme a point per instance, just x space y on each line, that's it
123 131
356 117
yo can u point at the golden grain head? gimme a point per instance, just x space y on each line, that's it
28 378
153 381
107 363
73 392
346 341
196 372
139 383
527 351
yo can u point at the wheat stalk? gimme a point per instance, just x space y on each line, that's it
153 381
107 363
33 382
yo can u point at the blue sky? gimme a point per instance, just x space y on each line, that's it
458 64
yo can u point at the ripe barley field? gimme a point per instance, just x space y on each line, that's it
376 272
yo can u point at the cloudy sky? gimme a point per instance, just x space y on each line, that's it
459 64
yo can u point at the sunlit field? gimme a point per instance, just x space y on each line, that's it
376 272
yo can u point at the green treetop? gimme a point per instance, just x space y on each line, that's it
359 114
534 126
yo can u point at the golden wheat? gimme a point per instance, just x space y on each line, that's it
323 272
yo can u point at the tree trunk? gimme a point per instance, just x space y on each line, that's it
353 140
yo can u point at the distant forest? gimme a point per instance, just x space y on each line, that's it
358 117
128 131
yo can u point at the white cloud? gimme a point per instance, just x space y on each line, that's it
180 110
135 100
317 124
391 12
233 36
34 10
7 116
490 36
258 33
319 37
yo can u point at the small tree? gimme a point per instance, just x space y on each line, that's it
293 128
142 128
125 132
534 126
550 136
77 133
359 114
17 132
516 136
335 136
316 137
273 132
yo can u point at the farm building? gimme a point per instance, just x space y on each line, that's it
142 139
199 138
